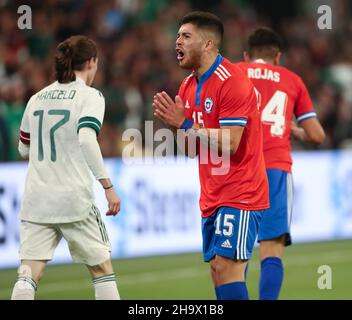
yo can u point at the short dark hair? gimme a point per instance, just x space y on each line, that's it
71 55
264 42
205 20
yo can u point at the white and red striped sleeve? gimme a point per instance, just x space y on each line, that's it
25 137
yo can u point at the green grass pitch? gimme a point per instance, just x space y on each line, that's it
187 276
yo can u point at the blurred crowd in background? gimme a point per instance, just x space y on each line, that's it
136 39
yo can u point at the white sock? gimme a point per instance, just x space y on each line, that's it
105 288
24 289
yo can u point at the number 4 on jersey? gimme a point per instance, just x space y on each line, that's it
273 113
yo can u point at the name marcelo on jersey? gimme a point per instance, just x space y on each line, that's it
267 74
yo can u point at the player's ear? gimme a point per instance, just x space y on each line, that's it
277 59
246 57
209 45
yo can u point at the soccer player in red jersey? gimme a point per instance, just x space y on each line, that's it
217 97
282 95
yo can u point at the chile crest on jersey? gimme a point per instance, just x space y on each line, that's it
208 105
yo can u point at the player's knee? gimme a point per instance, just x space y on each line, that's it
272 248
223 266
227 270
220 265
102 269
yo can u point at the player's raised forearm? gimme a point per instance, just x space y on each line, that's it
226 139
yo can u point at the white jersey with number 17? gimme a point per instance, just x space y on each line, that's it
59 184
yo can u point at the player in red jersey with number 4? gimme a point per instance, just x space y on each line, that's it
282 95
218 98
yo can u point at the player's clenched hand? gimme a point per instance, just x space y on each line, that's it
114 202
168 111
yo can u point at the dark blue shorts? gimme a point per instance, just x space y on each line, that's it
276 220
230 233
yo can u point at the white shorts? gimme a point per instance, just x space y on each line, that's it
87 240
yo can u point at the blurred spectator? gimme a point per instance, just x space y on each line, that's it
4 140
136 39
12 108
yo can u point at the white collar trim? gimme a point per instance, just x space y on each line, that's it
259 61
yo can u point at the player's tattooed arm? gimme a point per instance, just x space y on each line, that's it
225 139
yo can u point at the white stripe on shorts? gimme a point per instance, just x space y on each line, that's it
245 237
239 237
242 236
243 227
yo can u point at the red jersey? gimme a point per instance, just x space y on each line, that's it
281 94
224 96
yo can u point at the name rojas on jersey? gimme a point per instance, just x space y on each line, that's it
263 73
